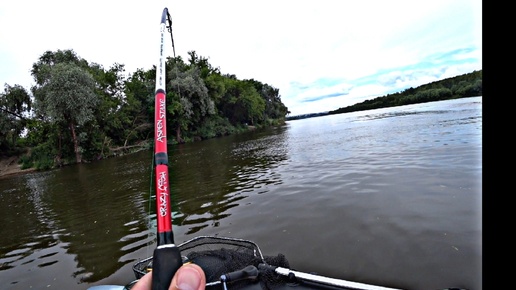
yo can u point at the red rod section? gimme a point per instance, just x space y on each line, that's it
162 176
163 209
167 257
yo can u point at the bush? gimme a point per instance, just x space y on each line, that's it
41 157
215 127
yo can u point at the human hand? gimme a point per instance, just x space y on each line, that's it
187 277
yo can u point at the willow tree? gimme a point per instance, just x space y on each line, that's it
190 103
69 97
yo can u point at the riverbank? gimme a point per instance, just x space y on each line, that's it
10 166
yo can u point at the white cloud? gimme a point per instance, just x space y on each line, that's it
357 45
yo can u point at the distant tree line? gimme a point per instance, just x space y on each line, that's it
463 86
79 111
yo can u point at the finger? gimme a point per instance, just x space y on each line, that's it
189 277
144 283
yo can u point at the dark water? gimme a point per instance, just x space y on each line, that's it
391 197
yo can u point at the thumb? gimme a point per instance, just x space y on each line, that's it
189 277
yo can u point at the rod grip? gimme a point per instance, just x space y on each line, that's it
165 263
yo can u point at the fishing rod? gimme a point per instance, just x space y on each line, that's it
166 256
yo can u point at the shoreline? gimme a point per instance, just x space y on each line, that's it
9 167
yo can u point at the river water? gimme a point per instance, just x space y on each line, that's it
391 197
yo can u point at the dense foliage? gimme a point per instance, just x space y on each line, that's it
14 102
79 111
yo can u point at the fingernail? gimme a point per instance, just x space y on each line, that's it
188 279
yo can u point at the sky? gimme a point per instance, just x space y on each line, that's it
322 55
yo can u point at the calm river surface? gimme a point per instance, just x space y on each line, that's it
391 197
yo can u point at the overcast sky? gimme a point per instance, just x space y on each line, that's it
322 55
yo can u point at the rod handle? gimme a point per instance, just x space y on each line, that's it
165 263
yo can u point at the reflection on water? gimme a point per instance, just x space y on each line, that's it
90 212
215 176
379 197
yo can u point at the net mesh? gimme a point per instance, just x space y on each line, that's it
218 256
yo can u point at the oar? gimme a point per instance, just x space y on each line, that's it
167 257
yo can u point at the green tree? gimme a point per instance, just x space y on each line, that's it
69 98
251 104
15 104
110 125
191 102
41 69
241 103
274 108
138 106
